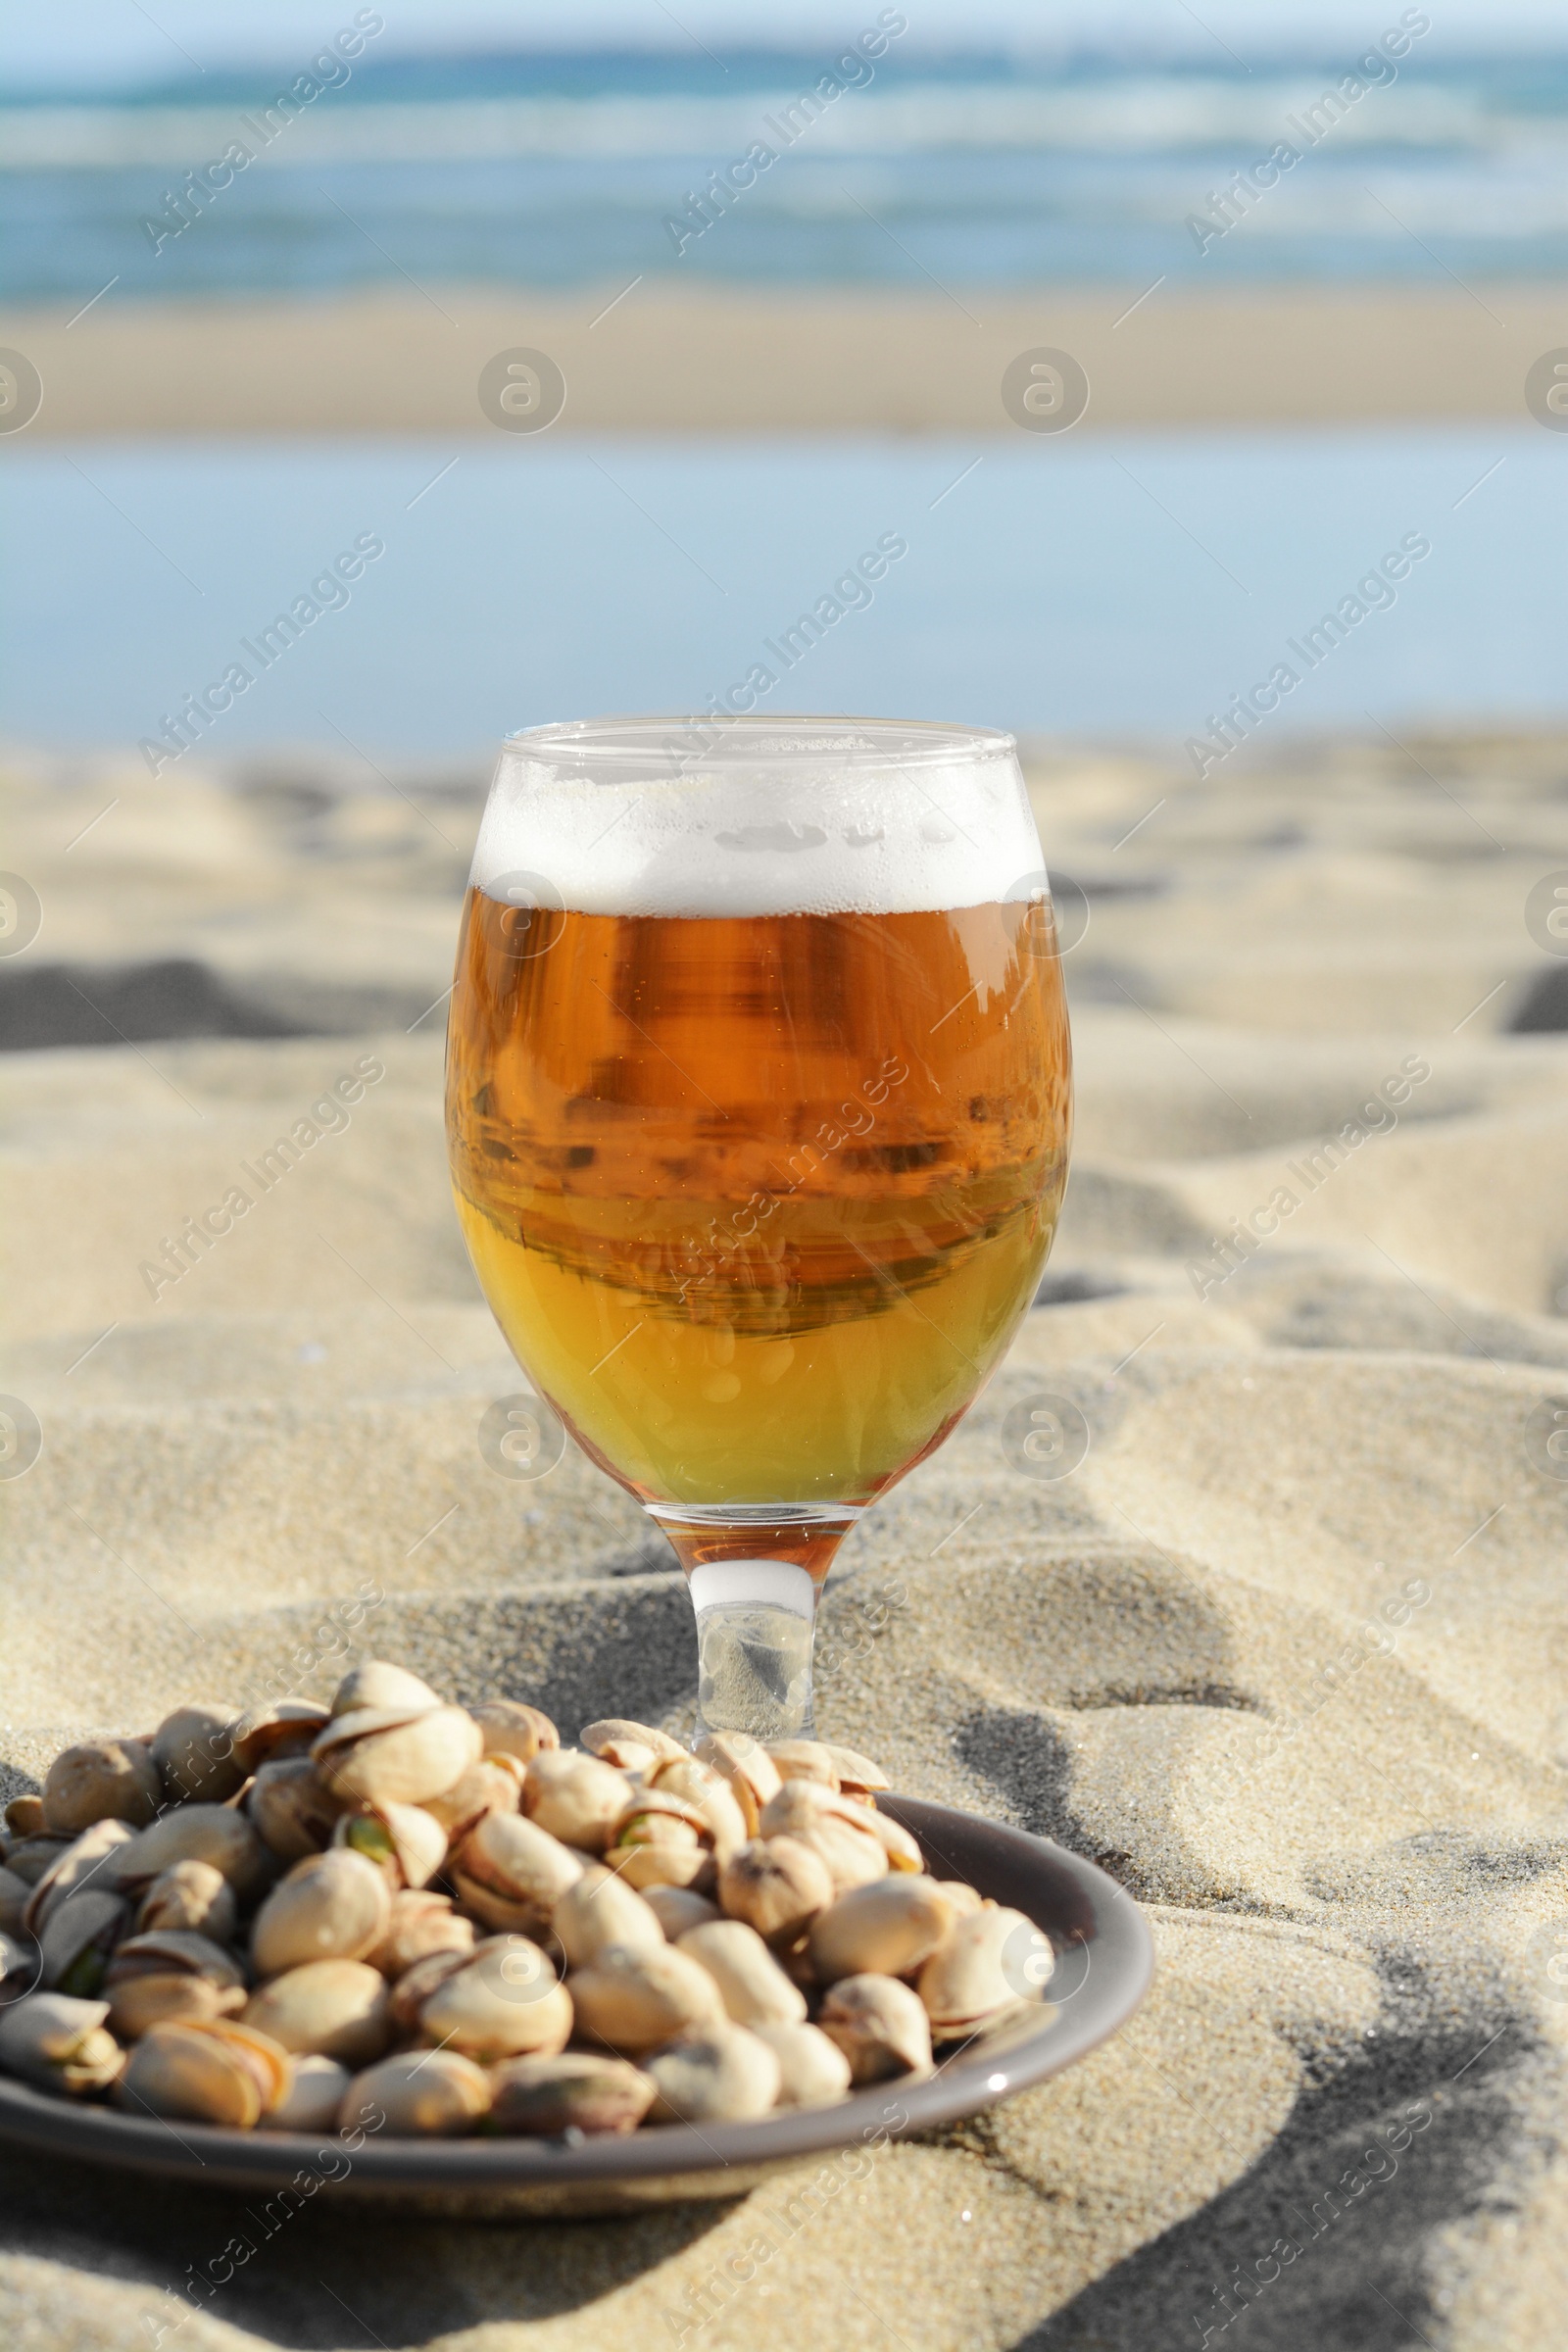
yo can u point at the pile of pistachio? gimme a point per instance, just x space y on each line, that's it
398 1913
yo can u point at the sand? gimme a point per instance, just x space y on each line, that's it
1352 1847
669 356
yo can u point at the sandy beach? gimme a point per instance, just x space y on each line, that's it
656 355
1286 1653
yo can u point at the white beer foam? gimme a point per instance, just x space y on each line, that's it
861 837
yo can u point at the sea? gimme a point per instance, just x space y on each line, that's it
1110 586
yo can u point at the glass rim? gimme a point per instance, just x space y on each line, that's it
781 740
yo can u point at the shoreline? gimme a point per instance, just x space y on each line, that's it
658 358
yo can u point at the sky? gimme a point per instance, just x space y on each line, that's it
94 43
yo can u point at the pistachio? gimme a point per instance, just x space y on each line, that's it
13 1895
24 1817
382 1754
662 1841
511 1873
375 1683
57 2043
313 2098
777 1886
506 2002
293 1810
170 1977
332 2008
577 2091
745 1764
710 1796
406 1843
33 1858
858 1776
198 1832
813 2072
413 1988
76 1940
189 1896
266 1734
94 1859
421 1922
575 1797
492 1785
903 1851
213 2073
194 1750
992 1962
636 2002
677 1908
885 1929
511 1729
100 1779
753 1986
880 2026
724 2074
962 1898
833 1826
432 2094
630 1746
599 1909
18 1967
804 1760
332 1906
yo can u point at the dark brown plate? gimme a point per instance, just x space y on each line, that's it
1103 1965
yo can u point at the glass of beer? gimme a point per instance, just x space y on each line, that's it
759 1096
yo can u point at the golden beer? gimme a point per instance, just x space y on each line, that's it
760 1200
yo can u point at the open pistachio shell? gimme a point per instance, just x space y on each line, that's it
511 1728
76 1939
94 1859
31 1859
777 1886
632 2002
198 1832
191 1896
833 1826
745 1764
18 1967
857 1773
406 1843
313 2098
722 2075
511 1873
194 1750
677 1908
493 1785
100 1779
293 1810
577 2091
991 1963
378 1756
332 1906
753 1986
804 1760
629 1746
14 1897
413 1988
506 2002
171 1976
57 2043
599 1909
421 1922
375 1683
661 1841
430 2094
205 2074
332 2008
710 1796
266 1734
880 2026
575 1797
885 1929
813 2072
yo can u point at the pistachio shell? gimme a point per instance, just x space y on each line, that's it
14 1896
57 2043
833 1826
24 1816
18 1967
629 1746
194 1750
964 1898
711 1795
511 1729
375 1683
506 2002
94 1859
172 1998
379 1757
100 1779
903 1851
31 1859
804 1760
747 1768
511 1873
677 1908
413 1988
855 1773
74 1944
636 2002
724 2074
432 2094
333 2008
267 1733
292 1808
204 2072
575 1797
813 2072
599 1909
754 1988
662 1841
406 1843
885 1929
777 1886
164 1951
332 1906
421 1922
880 2026
189 1896
989 1964
198 1832
577 2091
313 2098
493 1785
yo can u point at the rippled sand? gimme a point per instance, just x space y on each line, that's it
1353 1847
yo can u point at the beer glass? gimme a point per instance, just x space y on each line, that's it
758 1098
